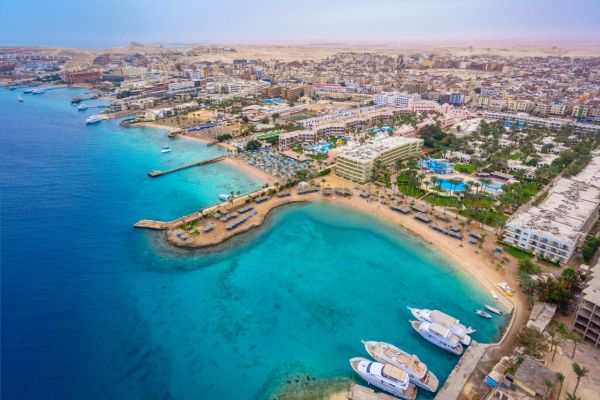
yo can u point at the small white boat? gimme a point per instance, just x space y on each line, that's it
225 197
82 107
418 373
20 99
493 309
165 149
386 377
494 294
483 314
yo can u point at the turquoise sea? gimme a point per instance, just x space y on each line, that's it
92 308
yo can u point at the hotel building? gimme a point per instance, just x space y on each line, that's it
396 99
551 123
587 317
553 229
357 164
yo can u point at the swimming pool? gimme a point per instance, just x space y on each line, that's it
449 186
493 185
437 166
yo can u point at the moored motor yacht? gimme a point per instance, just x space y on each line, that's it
453 324
439 335
418 373
386 377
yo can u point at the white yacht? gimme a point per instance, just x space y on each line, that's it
224 197
439 335
82 107
483 314
20 99
454 325
165 149
93 119
386 377
418 373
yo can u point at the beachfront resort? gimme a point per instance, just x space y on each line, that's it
487 163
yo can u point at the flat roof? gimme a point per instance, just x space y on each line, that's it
370 151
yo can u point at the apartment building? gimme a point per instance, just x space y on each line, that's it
289 139
415 87
395 99
587 316
357 164
553 229
551 123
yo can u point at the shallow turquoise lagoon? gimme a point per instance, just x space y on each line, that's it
92 308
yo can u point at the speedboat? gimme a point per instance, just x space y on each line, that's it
483 314
493 309
165 149
439 335
38 91
82 107
93 119
20 99
454 325
386 377
224 197
417 371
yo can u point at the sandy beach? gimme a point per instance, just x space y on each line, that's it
480 262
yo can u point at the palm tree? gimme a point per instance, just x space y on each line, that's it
549 385
553 344
571 396
580 372
560 378
434 181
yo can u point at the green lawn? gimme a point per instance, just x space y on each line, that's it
411 191
492 218
515 156
464 168
442 201
519 254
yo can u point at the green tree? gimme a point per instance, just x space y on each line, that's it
532 341
572 396
560 378
580 372
549 385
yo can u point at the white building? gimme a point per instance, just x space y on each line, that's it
553 229
395 99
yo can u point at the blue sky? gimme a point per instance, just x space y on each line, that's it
84 23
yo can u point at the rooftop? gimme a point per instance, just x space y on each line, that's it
370 151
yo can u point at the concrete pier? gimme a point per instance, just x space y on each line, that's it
459 375
157 173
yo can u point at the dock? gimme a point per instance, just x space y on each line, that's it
157 173
360 392
461 373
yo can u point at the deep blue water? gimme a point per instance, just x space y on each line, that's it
92 308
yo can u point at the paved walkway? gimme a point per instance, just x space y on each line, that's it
359 392
465 367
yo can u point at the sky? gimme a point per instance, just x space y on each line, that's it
107 23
